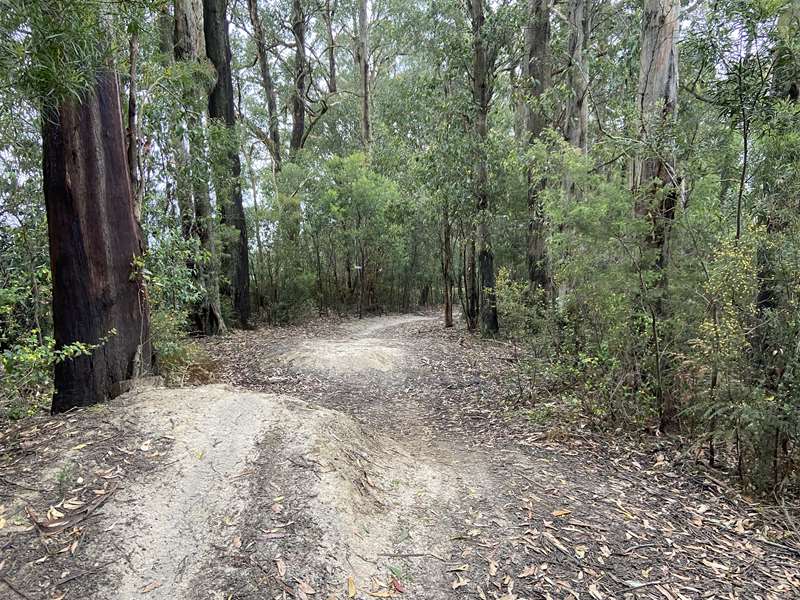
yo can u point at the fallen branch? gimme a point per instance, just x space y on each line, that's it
412 555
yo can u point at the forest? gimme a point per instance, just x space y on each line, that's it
613 188
486 299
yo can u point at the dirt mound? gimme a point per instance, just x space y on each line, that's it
363 496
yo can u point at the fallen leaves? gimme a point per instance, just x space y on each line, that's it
305 588
459 582
58 521
281 567
152 586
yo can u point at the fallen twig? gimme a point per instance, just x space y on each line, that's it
412 555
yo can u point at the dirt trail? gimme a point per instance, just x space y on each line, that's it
381 458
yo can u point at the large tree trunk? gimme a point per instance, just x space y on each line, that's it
267 84
193 194
229 191
537 66
180 145
300 67
654 179
362 63
94 239
482 87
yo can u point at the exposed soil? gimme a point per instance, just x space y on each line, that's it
379 458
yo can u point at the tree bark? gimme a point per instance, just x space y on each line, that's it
537 67
93 240
229 192
482 88
471 297
654 179
194 198
330 11
576 119
189 36
300 66
133 132
166 41
447 263
267 83
362 63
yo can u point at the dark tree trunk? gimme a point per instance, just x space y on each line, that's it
229 191
93 242
447 264
482 88
208 315
299 92
537 67
267 84
471 299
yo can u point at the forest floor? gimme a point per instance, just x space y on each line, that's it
379 458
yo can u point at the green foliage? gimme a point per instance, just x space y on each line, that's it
26 371
167 269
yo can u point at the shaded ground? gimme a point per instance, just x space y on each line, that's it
377 458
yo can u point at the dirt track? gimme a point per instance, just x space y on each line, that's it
379 458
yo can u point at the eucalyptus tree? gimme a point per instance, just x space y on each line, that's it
486 50
194 198
655 180
537 74
228 185
273 139
99 305
362 59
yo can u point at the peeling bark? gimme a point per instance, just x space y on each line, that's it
654 181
